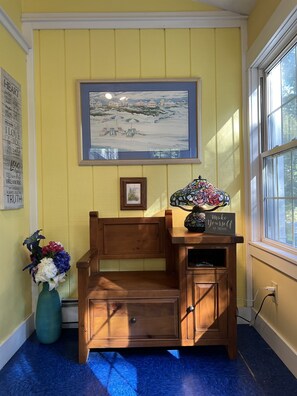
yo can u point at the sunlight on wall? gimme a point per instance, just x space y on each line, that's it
157 206
229 150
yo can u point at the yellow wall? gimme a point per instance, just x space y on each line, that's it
113 6
67 192
15 285
283 316
259 17
13 8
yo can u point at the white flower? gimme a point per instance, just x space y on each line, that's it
46 270
54 283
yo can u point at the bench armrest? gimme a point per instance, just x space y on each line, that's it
84 266
86 260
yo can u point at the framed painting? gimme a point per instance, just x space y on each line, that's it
133 193
139 122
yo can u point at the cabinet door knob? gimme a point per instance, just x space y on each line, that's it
133 320
191 308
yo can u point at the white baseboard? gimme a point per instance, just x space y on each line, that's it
284 351
10 346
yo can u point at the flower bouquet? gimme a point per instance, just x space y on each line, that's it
49 263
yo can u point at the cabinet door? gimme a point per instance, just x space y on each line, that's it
207 300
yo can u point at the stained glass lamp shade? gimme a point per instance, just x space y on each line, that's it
199 197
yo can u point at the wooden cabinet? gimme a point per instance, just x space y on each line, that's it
207 277
191 302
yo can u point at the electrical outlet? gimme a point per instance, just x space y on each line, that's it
275 285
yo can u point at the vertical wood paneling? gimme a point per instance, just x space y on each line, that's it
53 138
157 194
228 77
178 177
105 178
127 54
80 182
152 53
38 100
203 65
153 65
53 134
106 191
102 47
178 55
229 142
178 65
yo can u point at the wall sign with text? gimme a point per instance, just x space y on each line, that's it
220 223
11 164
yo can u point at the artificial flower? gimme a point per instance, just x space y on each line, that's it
48 263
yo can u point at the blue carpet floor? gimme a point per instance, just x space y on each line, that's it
38 369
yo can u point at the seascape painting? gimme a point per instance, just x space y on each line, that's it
137 121
148 121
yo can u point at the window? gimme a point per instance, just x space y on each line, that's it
279 154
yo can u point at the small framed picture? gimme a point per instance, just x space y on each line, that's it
133 193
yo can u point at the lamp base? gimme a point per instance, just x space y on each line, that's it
195 222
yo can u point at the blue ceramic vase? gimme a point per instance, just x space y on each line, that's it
48 319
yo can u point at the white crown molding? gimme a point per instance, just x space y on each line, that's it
134 20
11 28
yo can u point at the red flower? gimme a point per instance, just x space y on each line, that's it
52 248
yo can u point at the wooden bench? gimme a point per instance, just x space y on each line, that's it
127 308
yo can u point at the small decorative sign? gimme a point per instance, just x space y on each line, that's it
220 223
11 164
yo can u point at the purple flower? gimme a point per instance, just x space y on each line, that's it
61 261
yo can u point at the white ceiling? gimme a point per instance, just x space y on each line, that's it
239 6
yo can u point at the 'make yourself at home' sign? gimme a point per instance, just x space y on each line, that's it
220 223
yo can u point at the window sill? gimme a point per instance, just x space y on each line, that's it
282 261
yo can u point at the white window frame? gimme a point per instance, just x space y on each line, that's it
278 255
268 152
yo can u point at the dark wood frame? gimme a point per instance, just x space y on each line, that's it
124 185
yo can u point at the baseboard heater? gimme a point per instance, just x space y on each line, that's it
69 313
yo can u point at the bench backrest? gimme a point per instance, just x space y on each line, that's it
131 238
